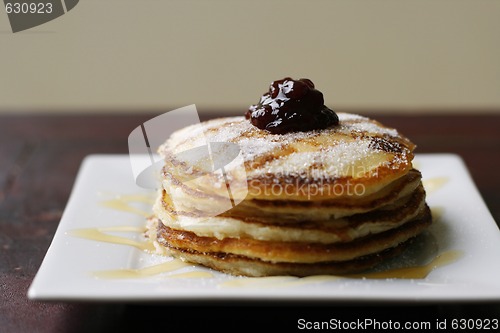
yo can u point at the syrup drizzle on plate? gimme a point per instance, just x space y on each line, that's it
172 268
431 185
166 267
126 203
100 234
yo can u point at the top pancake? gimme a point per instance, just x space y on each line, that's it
329 164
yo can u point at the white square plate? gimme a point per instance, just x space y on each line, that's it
105 197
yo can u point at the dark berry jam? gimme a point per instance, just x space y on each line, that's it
291 106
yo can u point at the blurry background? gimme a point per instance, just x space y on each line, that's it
149 55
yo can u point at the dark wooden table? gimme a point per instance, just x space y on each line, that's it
39 159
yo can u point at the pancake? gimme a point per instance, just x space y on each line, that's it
313 165
337 200
186 198
274 229
290 188
252 261
244 266
294 252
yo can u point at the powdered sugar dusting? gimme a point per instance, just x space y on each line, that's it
352 122
341 159
350 116
216 130
334 151
254 147
372 128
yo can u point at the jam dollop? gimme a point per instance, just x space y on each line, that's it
291 106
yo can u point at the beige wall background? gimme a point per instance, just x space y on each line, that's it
132 56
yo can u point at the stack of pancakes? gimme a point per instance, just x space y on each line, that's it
333 201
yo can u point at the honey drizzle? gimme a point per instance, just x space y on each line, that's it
97 234
193 274
415 272
431 185
437 212
165 267
124 203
